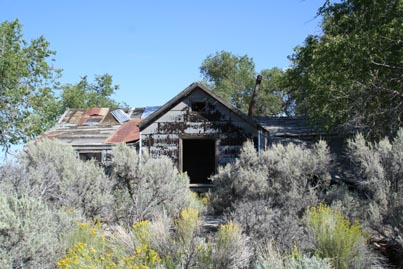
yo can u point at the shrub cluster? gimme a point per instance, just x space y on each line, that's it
265 194
337 239
269 257
159 243
143 214
290 175
50 171
378 171
274 197
48 188
31 234
145 187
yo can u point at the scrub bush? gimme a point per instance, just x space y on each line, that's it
145 187
268 194
31 234
337 239
291 175
179 242
271 258
91 249
144 245
263 222
50 171
379 174
231 248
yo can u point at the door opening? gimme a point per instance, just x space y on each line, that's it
198 159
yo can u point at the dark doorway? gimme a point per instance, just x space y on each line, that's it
198 156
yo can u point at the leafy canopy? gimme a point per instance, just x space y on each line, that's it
27 77
233 78
352 74
28 80
85 94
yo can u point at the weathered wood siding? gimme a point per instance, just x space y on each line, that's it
163 136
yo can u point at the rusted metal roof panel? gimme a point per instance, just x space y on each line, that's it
79 127
93 116
75 117
127 132
90 116
96 111
81 135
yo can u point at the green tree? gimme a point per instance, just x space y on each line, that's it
233 78
27 103
352 75
85 94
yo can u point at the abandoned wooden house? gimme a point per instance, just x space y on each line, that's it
197 129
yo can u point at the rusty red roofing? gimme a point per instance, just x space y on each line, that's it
74 117
95 114
127 132
94 127
96 111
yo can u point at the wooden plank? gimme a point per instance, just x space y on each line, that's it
172 116
151 129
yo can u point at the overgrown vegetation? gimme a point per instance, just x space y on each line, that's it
159 243
28 79
31 234
337 239
362 40
279 197
145 187
265 193
47 189
51 172
280 210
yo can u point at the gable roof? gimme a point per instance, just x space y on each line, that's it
186 92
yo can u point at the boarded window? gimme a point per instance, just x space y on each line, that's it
86 156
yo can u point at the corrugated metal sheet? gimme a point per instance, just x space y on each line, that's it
93 116
93 111
127 132
81 135
94 127
120 116
75 117
84 127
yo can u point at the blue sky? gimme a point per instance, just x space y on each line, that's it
153 49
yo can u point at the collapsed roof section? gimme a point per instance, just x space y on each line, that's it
98 126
